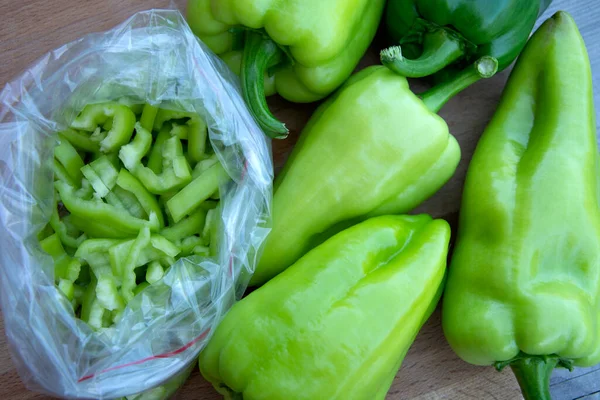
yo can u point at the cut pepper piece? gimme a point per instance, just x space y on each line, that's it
191 225
65 267
175 173
148 116
95 115
149 203
95 253
155 159
70 159
200 189
131 154
130 263
105 214
61 229
80 140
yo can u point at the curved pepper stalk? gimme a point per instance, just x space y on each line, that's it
441 48
533 373
441 38
260 53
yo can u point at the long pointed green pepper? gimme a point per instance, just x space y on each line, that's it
373 148
524 284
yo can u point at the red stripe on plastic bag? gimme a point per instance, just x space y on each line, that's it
164 355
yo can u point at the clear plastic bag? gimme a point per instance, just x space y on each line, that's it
151 58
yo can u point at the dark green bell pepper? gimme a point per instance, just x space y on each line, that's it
442 37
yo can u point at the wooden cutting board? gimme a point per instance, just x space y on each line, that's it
30 28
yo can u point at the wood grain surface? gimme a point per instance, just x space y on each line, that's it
30 28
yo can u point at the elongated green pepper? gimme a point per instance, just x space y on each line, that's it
374 148
524 284
338 323
441 37
310 47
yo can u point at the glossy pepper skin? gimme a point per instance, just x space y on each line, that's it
336 324
373 148
444 36
524 283
310 46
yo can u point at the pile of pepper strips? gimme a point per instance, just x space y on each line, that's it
118 224
348 278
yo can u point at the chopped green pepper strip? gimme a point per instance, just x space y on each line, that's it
106 289
204 165
95 253
136 108
189 243
191 225
88 300
106 170
209 232
181 131
86 191
71 229
127 201
70 159
175 172
65 267
66 287
99 211
200 189
61 229
157 249
99 187
96 229
155 272
140 287
164 115
128 278
148 116
45 232
80 140
61 174
204 251
96 314
164 246
128 182
197 134
131 154
95 115
155 159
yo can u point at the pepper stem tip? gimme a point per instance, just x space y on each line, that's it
441 47
390 54
486 66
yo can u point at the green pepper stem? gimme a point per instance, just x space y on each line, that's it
260 53
533 375
440 49
436 97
